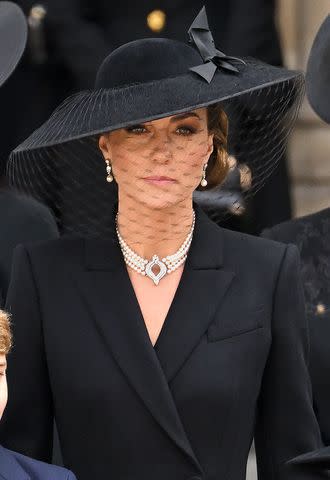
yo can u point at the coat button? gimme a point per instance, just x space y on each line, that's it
36 15
320 308
156 20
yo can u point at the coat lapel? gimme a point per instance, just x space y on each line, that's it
203 285
106 287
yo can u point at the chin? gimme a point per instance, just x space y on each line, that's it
164 201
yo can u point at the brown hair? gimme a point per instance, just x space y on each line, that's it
218 162
5 333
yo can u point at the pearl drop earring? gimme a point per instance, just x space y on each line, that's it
204 181
108 169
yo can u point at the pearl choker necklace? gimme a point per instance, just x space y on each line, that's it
166 265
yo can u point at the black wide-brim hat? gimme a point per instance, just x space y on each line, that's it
318 72
13 35
153 78
145 80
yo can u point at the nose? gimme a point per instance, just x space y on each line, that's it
161 151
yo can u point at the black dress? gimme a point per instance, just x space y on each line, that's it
230 363
312 236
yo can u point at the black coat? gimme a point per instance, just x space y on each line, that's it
230 362
312 236
22 220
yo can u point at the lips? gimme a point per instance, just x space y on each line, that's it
159 179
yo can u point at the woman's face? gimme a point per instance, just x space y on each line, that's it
159 163
3 384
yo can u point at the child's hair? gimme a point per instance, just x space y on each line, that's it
5 333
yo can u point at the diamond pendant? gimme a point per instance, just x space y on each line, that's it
162 269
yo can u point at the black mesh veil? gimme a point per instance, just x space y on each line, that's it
70 176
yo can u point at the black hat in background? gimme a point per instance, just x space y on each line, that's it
13 36
318 72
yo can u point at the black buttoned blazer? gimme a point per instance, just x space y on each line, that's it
230 362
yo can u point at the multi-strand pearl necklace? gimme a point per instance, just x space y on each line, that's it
166 265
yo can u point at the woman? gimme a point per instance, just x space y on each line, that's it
312 236
164 347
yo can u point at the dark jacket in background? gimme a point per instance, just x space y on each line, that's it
85 31
312 236
22 220
32 92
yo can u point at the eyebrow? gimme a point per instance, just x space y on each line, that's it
183 116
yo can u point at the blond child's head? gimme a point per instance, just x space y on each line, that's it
5 333
5 345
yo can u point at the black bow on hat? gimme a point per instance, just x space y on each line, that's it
201 36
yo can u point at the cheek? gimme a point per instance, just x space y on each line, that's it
3 395
195 151
189 161
124 161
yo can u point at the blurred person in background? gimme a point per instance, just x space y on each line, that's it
84 31
36 87
69 38
312 236
23 219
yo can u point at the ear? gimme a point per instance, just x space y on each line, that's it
104 146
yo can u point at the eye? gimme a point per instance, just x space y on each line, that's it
184 130
137 129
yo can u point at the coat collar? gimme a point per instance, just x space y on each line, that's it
9 467
107 289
